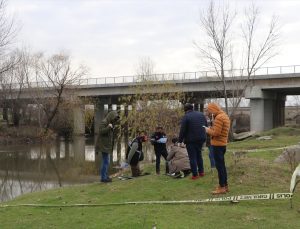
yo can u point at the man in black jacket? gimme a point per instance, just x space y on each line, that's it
193 134
159 140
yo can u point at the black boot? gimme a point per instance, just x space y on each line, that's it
167 167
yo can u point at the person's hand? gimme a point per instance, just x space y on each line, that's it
110 125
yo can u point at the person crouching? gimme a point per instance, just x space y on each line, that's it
178 159
135 153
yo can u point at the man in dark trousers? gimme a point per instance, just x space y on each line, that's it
192 133
105 143
219 138
135 153
159 140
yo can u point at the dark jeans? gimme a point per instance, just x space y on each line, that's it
211 157
219 153
158 154
195 156
135 159
104 166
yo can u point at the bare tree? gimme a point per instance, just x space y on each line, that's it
55 75
145 69
8 31
18 75
218 26
217 51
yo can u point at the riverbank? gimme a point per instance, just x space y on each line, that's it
253 173
24 135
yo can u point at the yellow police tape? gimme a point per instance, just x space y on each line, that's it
268 196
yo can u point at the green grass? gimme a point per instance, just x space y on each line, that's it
254 173
281 137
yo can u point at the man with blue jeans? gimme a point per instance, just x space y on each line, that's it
193 134
105 143
104 168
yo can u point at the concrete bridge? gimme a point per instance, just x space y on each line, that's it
267 91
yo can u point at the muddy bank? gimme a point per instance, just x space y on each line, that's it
24 135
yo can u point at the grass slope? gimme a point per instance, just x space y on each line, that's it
251 174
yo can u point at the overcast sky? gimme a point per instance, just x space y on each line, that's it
110 36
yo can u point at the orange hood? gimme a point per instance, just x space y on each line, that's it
213 108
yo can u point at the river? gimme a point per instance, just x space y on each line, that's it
31 168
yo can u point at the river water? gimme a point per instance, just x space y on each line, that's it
30 168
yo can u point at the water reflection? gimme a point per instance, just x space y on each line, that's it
25 169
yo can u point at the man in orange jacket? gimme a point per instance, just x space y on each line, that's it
219 136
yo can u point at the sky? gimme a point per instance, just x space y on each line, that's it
110 37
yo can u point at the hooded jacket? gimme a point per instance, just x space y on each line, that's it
220 128
105 140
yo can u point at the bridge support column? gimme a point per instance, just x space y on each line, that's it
279 107
266 109
79 148
199 105
78 119
100 112
261 114
5 113
99 115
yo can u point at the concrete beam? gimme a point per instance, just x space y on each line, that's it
256 92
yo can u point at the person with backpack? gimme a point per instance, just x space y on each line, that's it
159 140
135 153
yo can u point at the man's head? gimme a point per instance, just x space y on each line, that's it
188 107
112 117
143 136
159 129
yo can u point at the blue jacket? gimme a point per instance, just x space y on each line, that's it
192 130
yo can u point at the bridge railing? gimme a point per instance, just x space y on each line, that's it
191 75
170 76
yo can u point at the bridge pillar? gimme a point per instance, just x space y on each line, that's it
197 101
78 119
266 109
79 148
100 112
279 108
199 105
5 113
99 115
